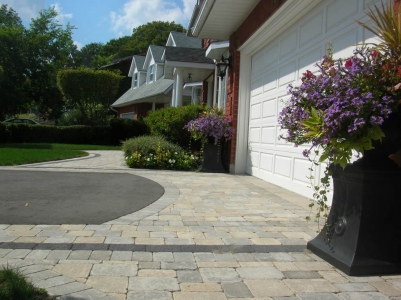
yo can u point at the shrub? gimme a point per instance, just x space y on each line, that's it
123 129
154 152
169 122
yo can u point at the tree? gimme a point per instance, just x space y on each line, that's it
30 59
91 91
152 33
13 59
50 46
92 49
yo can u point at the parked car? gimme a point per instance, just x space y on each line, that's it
22 121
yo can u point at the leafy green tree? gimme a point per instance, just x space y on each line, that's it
50 46
92 49
152 33
91 91
13 59
30 58
1 73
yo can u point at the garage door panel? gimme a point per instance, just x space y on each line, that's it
272 54
311 29
270 81
269 109
282 62
343 45
258 64
266 162
257 86
301 170
288 44
308 61
254 158
282 166
256 111
287 74
269 135
340 11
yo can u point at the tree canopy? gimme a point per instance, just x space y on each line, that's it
91 91
30 58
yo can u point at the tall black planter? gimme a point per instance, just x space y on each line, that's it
212 158
362 235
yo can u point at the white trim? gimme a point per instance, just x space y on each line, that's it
178 64
191 84
289 13
243 117
217 49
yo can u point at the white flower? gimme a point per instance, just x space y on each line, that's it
175 153
148 159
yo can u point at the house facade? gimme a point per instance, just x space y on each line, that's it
166 76
270 45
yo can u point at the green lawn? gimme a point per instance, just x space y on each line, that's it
13 286
19 154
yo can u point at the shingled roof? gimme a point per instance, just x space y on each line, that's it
182 40
182 54
159 87
157 52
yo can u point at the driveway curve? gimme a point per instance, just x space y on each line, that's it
50 198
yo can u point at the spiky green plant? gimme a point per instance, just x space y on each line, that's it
386 26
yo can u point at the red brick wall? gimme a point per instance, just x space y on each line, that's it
141 109
251 24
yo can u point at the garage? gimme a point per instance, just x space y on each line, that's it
278 56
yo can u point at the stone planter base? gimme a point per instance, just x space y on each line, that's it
212 161
363 231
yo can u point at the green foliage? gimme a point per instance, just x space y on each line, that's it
13 285
112 134
71 117
90 91
152 33
30 58
154 152
14 57
1 73
92 49
169 122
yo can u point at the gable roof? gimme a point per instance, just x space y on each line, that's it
179 39
157 52
160 87
137 61
191 55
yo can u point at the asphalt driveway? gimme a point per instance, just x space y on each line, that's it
36 197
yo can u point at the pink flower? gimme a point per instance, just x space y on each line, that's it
348 63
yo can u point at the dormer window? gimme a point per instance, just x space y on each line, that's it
135 81
151 73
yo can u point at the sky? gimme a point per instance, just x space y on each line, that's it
103 20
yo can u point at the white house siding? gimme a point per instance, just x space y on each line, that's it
281 62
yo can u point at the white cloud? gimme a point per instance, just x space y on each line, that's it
26 9
78 44
61 18
139 12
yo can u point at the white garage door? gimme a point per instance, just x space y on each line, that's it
282 62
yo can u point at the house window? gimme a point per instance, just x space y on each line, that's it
135 81
151 73
196 95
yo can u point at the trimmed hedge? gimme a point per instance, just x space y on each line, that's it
112 134
169 122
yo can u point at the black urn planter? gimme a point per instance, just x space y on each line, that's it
362 235
212 158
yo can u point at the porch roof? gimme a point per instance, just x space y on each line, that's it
144 92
